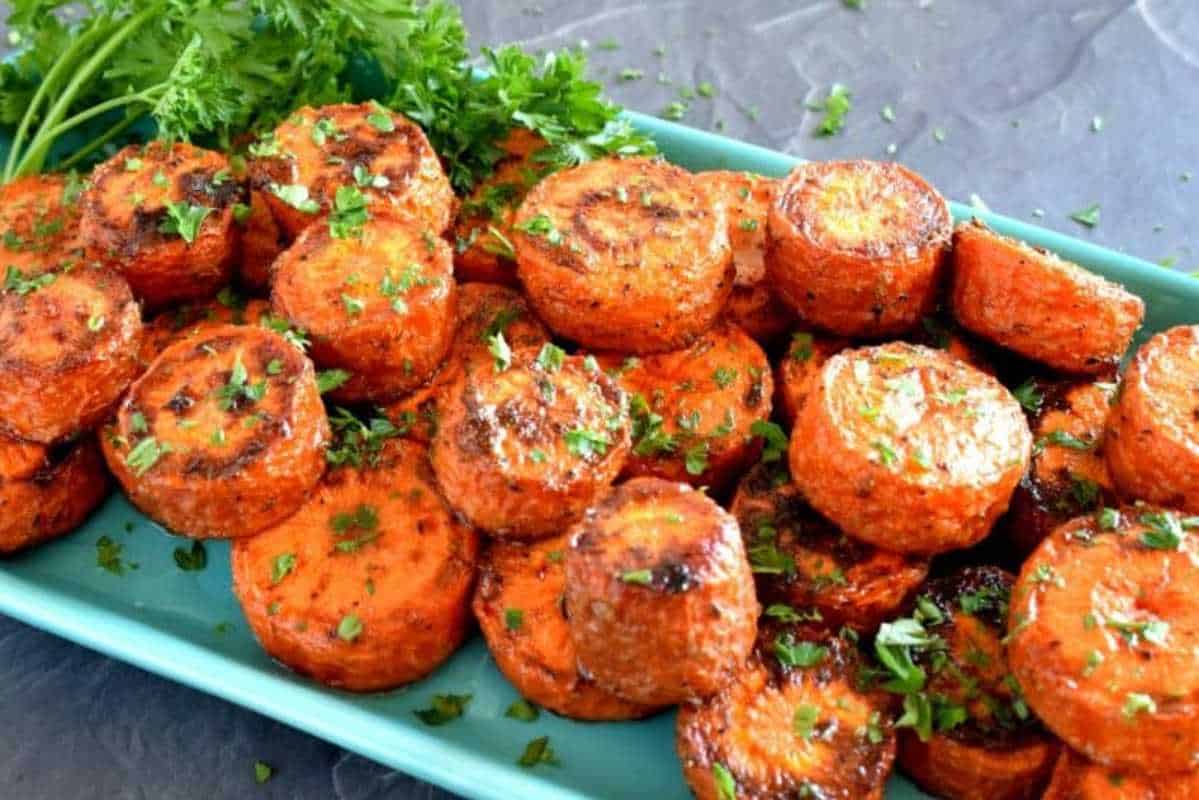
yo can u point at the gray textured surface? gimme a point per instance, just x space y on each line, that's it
1014 86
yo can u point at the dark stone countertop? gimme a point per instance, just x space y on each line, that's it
1012 85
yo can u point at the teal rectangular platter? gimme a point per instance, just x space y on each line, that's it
187 626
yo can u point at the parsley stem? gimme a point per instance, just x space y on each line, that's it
49 82
145 96
39 147
95 144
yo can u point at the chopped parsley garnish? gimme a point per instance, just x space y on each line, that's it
380 120
282 566
774 439
785 613
551 356
835 106
361 526
95 322
806 717
1137 703
641 577
803 655
695 458
350 628
886 455
108 556
262 772
748 225
1088 216
1066 439
183 220
327 380
1163 531
296 196
724 377
15 281
523 711
191 559
145 454
537 752
1028 397
540 225
238 391
649 437
356 442
513 618
353 305
765 558
444 708
586 443
500 351
726 786
349 213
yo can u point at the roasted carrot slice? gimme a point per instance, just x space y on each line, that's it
315 151
260 241
169 327
530 441
1047 309
746 198
377 302
367 587
162 215
624 254
1076 778
858 248
966 733
1068 476
801 559
1104 631
805 357
47 493
223 436
793 728
39 223
519 606
908 448
1152 440
483 249
68 349
694 410
659 593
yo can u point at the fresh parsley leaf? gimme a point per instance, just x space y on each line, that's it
282 566
329 379
183 220
802 655
523 711
145 454
1163 530
1088 216
551 357
641 577
1028 397
350 628
774 438
108 556
444 708
191 559
262 772
726 786
805 719
18 283
835 107
586 443
349 213
538 751
514 618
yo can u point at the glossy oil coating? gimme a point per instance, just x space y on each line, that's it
68 349
316 150
127 220
908 448
1041 306
857 248
223 435
629 255
1076 778
1152 440
659 593
1103 636
39 223
47 493
367 587
519 606
378 304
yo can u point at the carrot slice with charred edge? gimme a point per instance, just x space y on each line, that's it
45 494
260 241
1068 475
223 435
1103 633
379 304
68 349
188 320
659 593
1076 778
518 603
804 358
483 249
629 255
39 223
1047 309
857 248
801 559
1152 440
908 448
981 743
789 731
162 215
367 587
693 410
526 444
484 310
746 198
312 153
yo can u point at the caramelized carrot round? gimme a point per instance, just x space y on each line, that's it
223 436
777 731
162 215
805 357
39 223
518 604
68 349
377 302
1104 631
746 198
260 241
300 166
1152 441
46 493
982 743
1044 308
367 587
624 254
528 442
1068 475
801 559
659 594
694 410
857 248
188 320
908 448
1076 778
483 249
